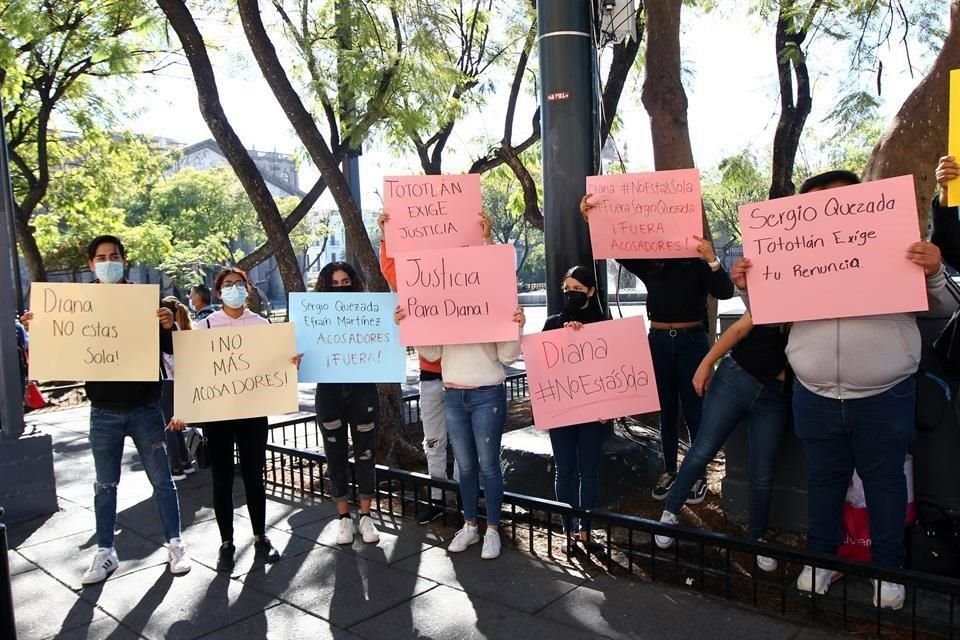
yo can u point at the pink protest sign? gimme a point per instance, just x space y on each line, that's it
834 253
432 212
646 215
602 371
458 296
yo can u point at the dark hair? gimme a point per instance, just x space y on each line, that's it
583 275
325 279
203 291
823 179
226 271
99 240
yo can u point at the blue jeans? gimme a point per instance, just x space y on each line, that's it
576 456
475 420
734 396
675 360
145 426
871 435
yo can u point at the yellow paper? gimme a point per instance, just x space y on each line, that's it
94 332
228 374
953 143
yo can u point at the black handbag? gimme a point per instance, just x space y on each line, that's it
934 541
199 448
947 344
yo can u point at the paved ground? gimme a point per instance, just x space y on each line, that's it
405 587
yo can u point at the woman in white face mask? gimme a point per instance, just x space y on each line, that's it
249 435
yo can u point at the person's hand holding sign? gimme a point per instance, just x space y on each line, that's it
519 317
738 273
925 254
296 360
487 225
585 206
382 219
576 326
947 170
705 249
25 319
166 318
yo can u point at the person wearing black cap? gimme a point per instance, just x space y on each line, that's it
853 408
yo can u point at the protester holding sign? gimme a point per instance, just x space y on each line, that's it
677 291
854 398
749 385
180 463
475 403
577 448
248 434
431 393
340 406
121 409
946 219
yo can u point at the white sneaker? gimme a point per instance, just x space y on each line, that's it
491 545
104 563
892 595
345 531
465 537
368 531
766 563
825 577
177 557
665 542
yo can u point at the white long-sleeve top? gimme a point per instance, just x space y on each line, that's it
473 365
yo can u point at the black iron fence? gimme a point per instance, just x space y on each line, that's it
713 564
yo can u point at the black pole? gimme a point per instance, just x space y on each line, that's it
351 171
11 404
568 115
8 626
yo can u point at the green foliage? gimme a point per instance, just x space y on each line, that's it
503 202
736 180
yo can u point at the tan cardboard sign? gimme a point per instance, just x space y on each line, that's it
94 332
234 373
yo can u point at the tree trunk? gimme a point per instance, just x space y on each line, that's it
662 95
32 258
397 450
233 149
665 100
791 61
916 137
309 134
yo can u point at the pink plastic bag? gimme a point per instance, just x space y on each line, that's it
856 518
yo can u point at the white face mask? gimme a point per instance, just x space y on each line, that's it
234 296
108 272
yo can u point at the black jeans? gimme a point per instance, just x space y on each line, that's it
250 436
356 405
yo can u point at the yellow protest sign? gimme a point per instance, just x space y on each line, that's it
234 373
953 143
94 332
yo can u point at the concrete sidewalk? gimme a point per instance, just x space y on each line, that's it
405 587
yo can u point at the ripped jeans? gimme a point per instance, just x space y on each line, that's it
356 405
144 425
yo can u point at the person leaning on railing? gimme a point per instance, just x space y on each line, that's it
677 291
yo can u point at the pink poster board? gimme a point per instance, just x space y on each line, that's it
458 296
646 215
602 371
432 212
835 253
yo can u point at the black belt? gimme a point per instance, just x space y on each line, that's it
673 332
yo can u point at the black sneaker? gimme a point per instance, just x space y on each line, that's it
264 551
428 513
697 492
664 484
225 559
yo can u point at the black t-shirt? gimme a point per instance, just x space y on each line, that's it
677 289
761 353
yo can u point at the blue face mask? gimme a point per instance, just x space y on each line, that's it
234 296
108 272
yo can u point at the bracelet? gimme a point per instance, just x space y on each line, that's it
714 264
